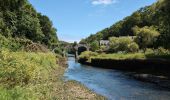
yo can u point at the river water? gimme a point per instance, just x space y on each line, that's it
113 84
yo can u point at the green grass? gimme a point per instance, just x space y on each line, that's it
121 56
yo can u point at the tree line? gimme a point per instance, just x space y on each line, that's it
19 19
154 18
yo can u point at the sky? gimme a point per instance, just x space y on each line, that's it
77 19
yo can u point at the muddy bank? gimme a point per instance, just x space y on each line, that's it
154 66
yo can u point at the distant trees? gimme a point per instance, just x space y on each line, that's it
158 14
124 44
146 36
94 46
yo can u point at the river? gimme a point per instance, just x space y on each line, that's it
113 84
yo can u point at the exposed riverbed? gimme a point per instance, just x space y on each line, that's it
113 84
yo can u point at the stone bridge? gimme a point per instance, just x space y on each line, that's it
79 48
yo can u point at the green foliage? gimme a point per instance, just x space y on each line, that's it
133 47
19 19
48 30
146 36
162 51
125 44
24 75
58 51
9 43
94 46
158 14
120 56
87 54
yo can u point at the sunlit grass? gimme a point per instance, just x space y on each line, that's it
121 56
25 75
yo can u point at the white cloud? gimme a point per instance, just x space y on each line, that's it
103 2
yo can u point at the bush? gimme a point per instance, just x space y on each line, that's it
35 47
88 54
133 47
58 51
13 44
161 51
120 44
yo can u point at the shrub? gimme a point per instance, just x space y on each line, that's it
133 47
120 43
161 51
35 47
149 51
87 54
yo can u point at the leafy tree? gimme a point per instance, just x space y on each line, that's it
18 19
94 46
48 30
145 36
120 43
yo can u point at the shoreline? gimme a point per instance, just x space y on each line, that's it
154 71
72 89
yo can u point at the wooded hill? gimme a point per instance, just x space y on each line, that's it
156 15
19 19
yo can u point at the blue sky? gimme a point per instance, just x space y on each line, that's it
77 19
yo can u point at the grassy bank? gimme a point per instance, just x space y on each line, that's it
148 62
36 76
125 56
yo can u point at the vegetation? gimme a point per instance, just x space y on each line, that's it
146 36
94 46
28 70
25 75
18 19
159 53
157 15
124 44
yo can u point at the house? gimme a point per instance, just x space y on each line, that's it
104 43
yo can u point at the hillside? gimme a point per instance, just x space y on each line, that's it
19 19
156 15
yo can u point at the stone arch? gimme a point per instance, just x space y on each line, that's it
81 48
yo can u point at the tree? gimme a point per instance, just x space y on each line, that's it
94 46
120 43
19 19
146 36
48 30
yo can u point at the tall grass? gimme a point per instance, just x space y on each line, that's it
25 75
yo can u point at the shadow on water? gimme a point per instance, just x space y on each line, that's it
113 84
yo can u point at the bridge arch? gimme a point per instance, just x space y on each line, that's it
81 48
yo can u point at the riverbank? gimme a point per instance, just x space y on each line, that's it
138 62
37 76
70 90
147 68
